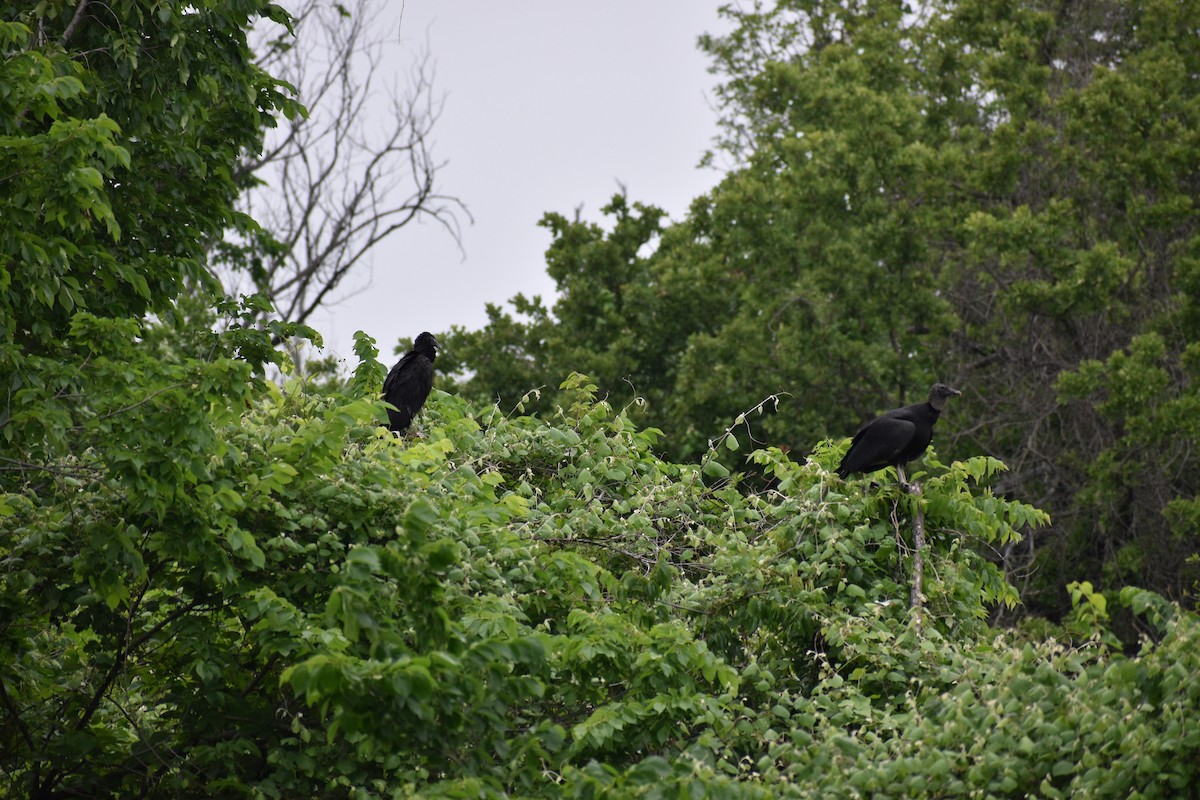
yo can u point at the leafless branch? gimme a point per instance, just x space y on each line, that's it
74 23
70 471
358 169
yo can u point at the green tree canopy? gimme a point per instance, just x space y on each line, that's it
996 195
213 586
121 125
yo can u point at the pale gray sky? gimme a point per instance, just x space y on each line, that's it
548 105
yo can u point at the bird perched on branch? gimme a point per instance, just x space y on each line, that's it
897 437
410 381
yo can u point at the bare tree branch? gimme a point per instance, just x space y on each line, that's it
74 23
360 167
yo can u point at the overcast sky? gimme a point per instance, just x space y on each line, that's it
549 104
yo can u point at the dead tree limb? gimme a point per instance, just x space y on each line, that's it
330 186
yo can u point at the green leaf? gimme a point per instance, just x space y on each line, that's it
715 469
419 518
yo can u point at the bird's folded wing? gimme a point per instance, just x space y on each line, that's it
399 373
879 443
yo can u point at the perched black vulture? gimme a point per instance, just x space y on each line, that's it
897 437
409 382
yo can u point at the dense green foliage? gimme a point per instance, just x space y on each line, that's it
996 195
211 586
120 129
547 608
122 125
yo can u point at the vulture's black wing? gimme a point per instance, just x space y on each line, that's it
406 387
878 444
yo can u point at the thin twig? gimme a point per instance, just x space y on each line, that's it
16 716
916 595
141 402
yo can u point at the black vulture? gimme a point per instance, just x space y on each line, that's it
897 437
410 381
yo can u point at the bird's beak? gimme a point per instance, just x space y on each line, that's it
957 393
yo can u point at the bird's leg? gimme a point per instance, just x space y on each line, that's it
903 479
